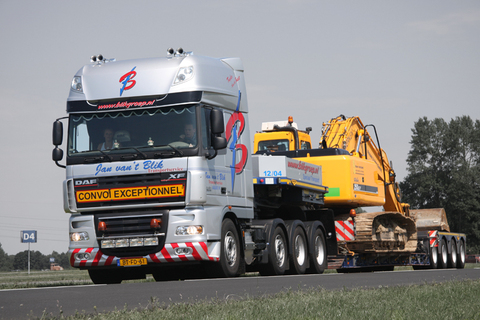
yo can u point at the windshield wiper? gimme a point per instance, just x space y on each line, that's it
95 159
136 154
162 154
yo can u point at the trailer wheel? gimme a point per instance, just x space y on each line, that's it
433 257
443 261
452 257
277 255
229 265
461 255
299 252
318 258
105 276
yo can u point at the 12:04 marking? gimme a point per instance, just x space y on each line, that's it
269 173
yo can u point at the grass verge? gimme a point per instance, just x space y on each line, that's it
450 300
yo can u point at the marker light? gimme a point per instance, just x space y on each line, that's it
353 213
155 223
102 226
77 84
184 74
290 120
79 236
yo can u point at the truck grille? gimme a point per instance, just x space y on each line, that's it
129 225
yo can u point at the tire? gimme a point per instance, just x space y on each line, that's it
433 258
461 255
277 255
443 255
318 258
105 276
229 264
299 252
452 256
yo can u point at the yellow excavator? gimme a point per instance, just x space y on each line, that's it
357 172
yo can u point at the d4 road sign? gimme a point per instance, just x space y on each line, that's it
28 236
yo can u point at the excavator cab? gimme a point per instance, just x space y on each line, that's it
278 136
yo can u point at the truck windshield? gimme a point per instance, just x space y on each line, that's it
167 128
273 145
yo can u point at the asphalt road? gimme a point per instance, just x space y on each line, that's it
25 303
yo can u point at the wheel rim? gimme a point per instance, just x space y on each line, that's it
230 248
300 250
319 251
279 250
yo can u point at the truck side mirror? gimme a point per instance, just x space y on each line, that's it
219 143
57 154
218 127
216 121
57 133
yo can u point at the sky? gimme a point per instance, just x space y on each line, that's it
388 62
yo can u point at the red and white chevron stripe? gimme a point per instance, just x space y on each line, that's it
433 238
167 254
345 230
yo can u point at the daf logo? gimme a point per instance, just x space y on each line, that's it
85 182
176 176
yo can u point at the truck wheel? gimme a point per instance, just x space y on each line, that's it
229 264
105 276
443 258
318 259
299 252
277 255
461 255
452 257
433 257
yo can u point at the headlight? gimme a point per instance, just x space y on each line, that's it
108 244
121 243
128 242
189 230
150 241
77 84
79 236
136 242
184 74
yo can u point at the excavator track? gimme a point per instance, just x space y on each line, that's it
383 232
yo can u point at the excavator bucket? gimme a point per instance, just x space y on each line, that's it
430 219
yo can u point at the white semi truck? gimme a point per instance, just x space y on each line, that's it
160 178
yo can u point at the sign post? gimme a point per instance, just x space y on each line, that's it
28 236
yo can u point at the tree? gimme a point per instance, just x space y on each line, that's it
444 172
6 263
37 261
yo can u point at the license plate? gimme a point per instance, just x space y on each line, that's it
131 262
